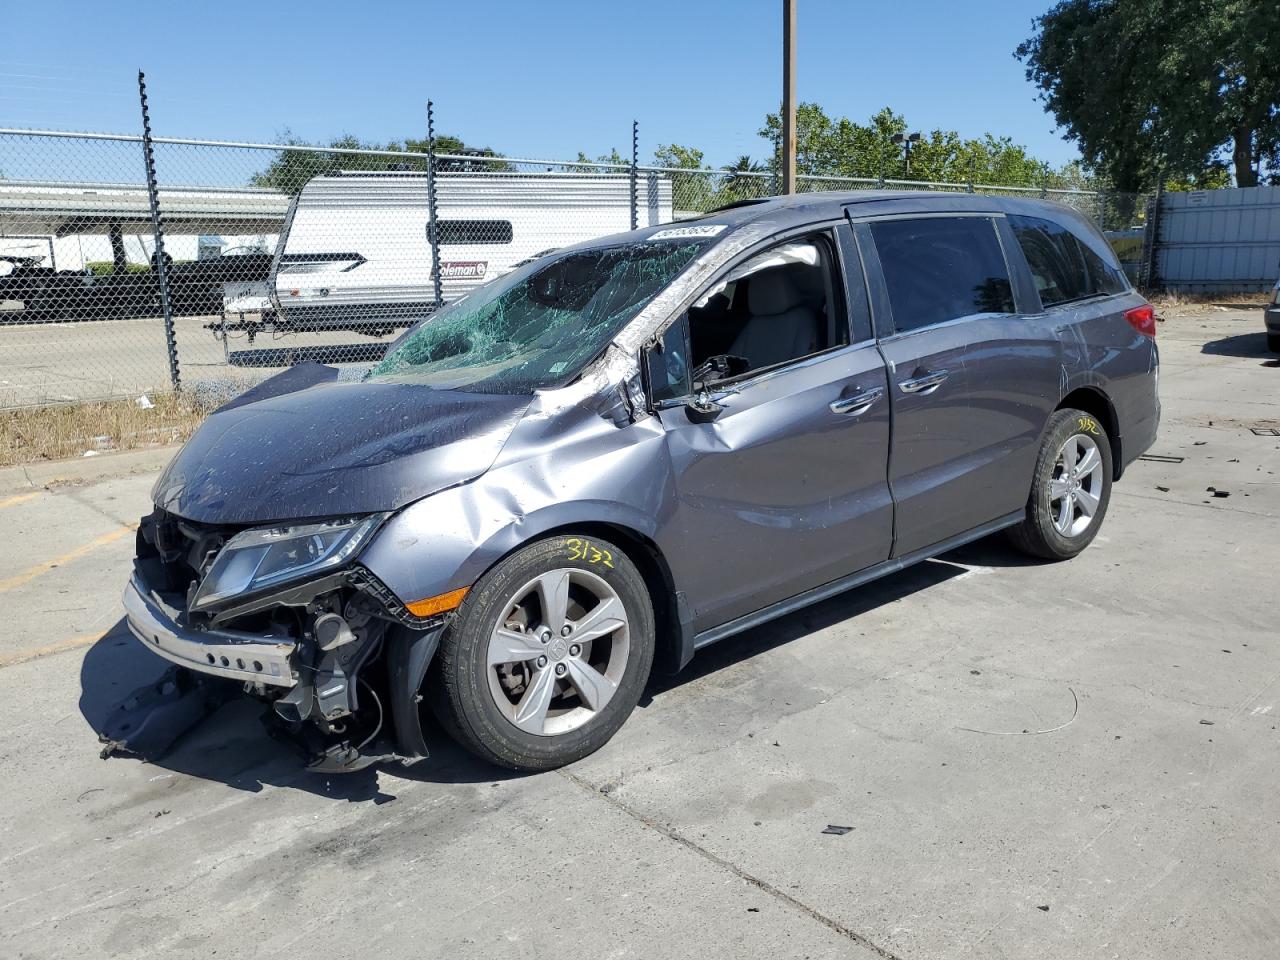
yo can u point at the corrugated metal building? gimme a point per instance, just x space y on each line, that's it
1219 241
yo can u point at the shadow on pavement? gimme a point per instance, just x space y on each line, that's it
232 746
1240 345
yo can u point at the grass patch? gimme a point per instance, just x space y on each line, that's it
1227 301
74 429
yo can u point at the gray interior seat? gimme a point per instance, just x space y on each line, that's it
782 325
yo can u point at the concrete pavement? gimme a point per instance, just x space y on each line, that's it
1070 760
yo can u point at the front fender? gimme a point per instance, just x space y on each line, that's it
618 476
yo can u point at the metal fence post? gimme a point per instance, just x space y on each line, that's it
157 229
433 235
635 160
1149 277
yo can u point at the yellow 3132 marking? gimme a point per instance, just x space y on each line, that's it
588 551
1088 425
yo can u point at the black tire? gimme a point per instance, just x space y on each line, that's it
1037 534
1273 342
458 687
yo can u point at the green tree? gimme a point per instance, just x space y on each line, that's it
689 191
291 169
1162 87
1216 176
613 158
743 180
841 147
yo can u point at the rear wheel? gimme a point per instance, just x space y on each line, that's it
1070 490
1273 342
548 654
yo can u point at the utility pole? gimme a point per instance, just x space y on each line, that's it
788 96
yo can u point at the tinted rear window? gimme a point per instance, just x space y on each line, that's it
942 268
1063 267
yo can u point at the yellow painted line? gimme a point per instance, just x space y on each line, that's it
62 646
20 498
22 579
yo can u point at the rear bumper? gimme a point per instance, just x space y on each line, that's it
1271 316
221 653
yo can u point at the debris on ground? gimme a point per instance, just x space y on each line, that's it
1044 907
1075 711
1207 723
1162 489
836 830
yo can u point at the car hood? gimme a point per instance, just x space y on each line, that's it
303 445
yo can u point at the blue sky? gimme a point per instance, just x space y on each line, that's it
540 78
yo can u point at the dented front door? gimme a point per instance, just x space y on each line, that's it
785 490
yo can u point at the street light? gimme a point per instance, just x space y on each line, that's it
906 139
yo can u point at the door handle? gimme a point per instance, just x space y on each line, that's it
927 383
856 405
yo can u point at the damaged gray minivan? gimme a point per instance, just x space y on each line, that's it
632 448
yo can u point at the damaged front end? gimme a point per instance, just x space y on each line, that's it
287 615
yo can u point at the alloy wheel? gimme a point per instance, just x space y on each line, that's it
557 654
1075 489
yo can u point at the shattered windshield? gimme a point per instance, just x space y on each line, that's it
538 326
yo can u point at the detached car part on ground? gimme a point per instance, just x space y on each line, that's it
635 447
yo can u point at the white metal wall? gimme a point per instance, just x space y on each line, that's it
1219 241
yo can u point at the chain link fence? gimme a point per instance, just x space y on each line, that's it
276 254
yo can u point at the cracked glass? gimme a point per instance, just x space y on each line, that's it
537 327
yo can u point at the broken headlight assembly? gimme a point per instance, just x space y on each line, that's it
265 557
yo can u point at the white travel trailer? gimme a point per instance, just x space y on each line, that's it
355 253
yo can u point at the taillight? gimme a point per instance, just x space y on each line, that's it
1142 319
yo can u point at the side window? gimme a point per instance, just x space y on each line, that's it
1106 278
1064 268
777 306
942 268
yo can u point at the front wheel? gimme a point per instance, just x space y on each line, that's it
547 656
1070 489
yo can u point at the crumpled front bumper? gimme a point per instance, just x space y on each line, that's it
222 653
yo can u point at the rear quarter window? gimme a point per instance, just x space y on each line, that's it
1064 267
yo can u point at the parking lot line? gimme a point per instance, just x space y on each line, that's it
21 579
19 498
61 646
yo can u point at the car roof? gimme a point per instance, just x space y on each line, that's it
797 210
803 207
